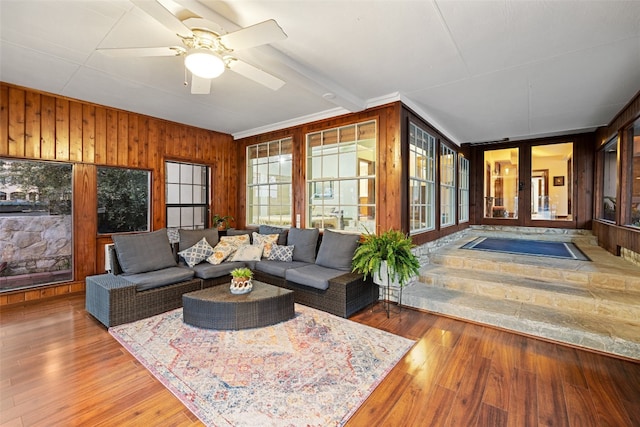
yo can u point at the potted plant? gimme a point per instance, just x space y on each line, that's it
221 222
387 257
241 280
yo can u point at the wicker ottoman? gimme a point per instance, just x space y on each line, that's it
218 308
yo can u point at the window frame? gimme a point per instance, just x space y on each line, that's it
338 142
603 213
185 207
422 176
278 183
463 188
448 183
148 204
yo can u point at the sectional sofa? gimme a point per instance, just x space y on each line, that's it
149 275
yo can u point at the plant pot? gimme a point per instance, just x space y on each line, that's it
241 285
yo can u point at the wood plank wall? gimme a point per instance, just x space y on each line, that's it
41 126
389 164
610 236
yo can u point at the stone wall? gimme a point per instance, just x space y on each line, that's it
35 244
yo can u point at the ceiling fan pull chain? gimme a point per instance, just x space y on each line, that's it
186 82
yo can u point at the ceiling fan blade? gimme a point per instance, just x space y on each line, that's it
200 86
265 32
143 51
163 15
256 74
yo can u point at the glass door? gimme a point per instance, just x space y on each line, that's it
501 183
551 182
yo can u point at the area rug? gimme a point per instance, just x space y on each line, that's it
313 370
565 250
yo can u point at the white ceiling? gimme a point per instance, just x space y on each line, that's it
477 70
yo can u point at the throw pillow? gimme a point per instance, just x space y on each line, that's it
337 249
266 240
281 253
221 252
174 235
305 243
270 229
142 252
197 253
239 240
248 253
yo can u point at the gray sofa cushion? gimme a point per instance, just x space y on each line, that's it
336 250
157 278
278 268
139 253
312 275
189 238
204 270
270 229
305 243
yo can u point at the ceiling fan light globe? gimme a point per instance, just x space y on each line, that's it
204 63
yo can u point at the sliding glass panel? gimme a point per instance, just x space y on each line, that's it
501 183
551 182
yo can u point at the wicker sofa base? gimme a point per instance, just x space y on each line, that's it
113 300
346 294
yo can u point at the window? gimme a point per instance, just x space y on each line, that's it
422 174
269 169
35 223
123 200
610 180
187 195
634 140
463 186
341 165
447 186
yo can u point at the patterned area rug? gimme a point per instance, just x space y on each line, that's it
542 248
313 370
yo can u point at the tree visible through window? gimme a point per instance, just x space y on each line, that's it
35 223
123 200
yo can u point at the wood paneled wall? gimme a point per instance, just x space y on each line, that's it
389 162
41 126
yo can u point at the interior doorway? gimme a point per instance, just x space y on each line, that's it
539 193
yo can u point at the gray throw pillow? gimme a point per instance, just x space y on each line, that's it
336 250
305 242
139 253
189 238
270 229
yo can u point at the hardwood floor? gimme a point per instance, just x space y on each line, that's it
60 367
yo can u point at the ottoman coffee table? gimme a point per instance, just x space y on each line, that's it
218 308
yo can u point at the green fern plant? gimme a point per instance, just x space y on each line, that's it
391 246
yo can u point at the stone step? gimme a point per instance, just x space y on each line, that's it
535 233
577 297
585 330
609 272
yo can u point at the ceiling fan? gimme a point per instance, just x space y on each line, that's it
207 53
